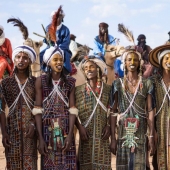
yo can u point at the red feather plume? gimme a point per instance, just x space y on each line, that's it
53 26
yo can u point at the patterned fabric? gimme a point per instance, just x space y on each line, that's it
22 153
162 124
124 154
94 153
57 114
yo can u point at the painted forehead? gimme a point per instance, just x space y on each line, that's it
132 55
88 62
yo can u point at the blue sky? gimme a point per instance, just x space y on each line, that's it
82 17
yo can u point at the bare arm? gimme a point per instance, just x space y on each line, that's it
38 102
72 117
151 115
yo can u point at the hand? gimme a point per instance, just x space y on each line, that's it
152 146
67 143
106 132
83 133
113 146
5 140
42 148
30 131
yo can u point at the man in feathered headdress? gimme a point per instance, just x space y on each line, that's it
6 64
62 37
101 39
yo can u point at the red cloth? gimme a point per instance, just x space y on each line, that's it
73 70
6 53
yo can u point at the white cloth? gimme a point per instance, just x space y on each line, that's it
59 26
2 37
1 27
25 49
162 54
53 12
50 52
73 48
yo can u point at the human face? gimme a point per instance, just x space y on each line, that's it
60 18
103 30
22 61
166 62
132 62
90 70
1 31
56 63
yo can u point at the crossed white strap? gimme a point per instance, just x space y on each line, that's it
166 94
98 102
56 90
22 92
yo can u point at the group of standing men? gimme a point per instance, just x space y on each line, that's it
134 111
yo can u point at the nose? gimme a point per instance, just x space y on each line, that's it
132 61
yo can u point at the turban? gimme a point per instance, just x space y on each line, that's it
1 27
132 49
162 54
103 24
25 49
50 52
72 36
141 36
101 64
61 13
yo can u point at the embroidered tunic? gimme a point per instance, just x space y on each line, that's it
22 153
162 125
123 154
56 127
94 153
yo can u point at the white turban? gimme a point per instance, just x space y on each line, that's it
25 49
162 54
50 52
61 13
1 27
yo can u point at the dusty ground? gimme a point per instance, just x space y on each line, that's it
3 163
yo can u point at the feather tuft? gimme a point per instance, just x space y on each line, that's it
53 26
20 24
128 34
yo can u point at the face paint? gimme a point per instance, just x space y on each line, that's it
90 69
56 63
166 62
132 62
21 60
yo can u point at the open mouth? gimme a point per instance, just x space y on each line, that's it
89 73
20 65
168 65
132 67
59 67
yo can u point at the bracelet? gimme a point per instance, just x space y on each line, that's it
114 114
150 136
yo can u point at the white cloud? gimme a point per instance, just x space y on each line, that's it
152 10
155 27
35 8
106 10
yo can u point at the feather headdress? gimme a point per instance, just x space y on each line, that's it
53 26
20 24
128 34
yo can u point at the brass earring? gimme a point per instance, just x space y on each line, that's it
98 75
